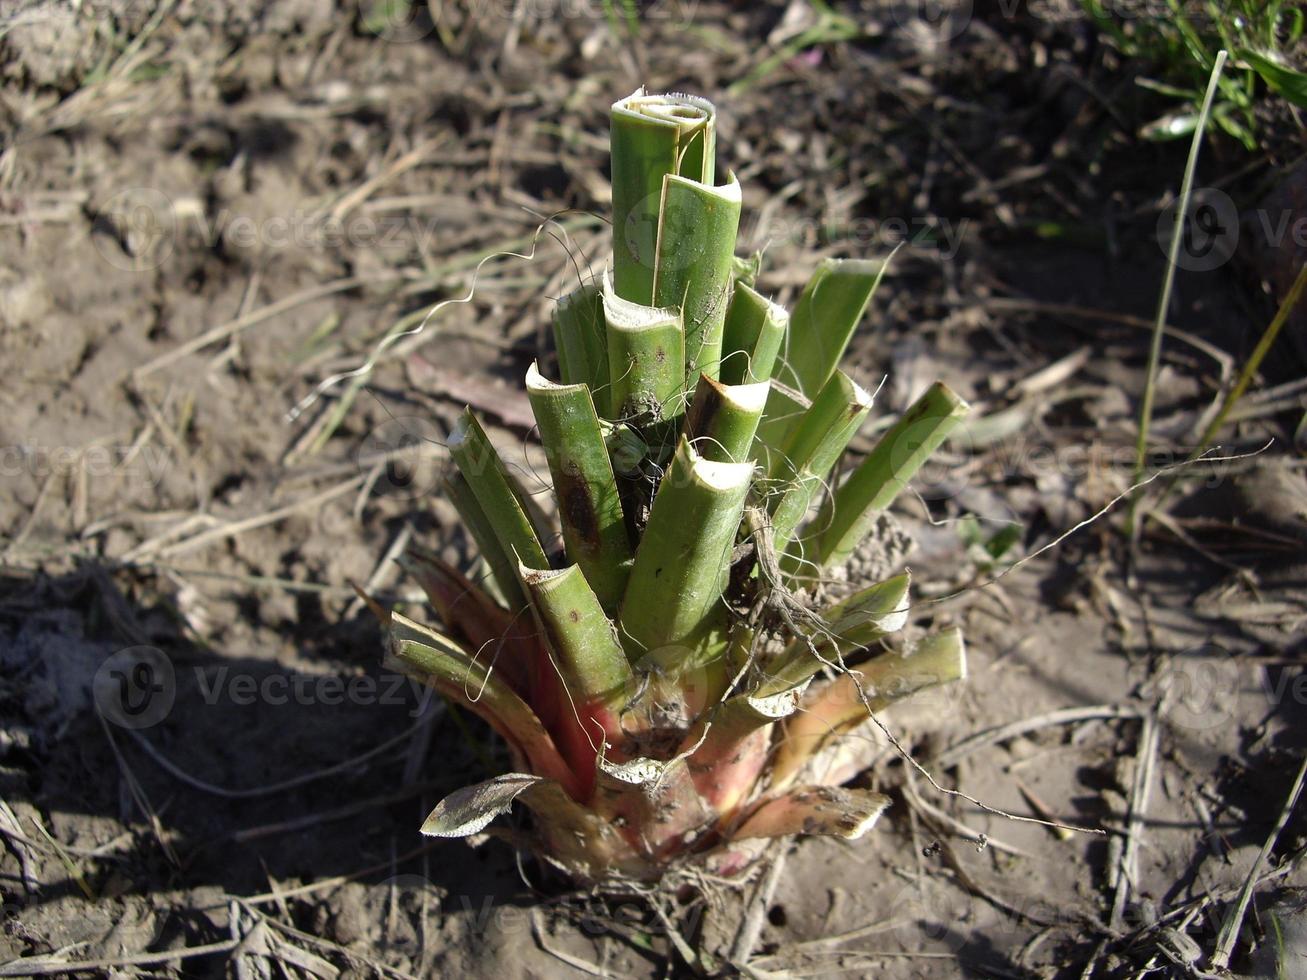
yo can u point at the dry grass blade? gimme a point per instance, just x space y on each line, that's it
1001 733
225 330
1230 926
1127 873
36 966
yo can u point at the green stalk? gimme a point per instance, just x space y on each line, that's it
581 339
592 662
645 359
870 614
828 311
858 621
836 412
850 512
1246 375
723 418
500 562
652 136
596 680
594 528
504 507
471 684
810 453
751 336
695 257
682 563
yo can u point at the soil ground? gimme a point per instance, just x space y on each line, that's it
206 210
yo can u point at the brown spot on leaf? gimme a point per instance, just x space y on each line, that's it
574 616
578 509
703 410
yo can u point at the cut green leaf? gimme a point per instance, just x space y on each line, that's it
851 511
645 361
497 494
751 336
500 561
821 326
695 256
435 659
858 621
593 664
581 338
723 418
594 529
815 444
681 564
652 136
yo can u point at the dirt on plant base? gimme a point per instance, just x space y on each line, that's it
207 211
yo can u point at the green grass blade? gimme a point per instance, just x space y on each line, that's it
850 512
695 256
1168 282
499 497
1254 362
594 529
751 336
723 418
651 137
682 563
1279 77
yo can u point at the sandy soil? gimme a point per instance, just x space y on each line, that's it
205 212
